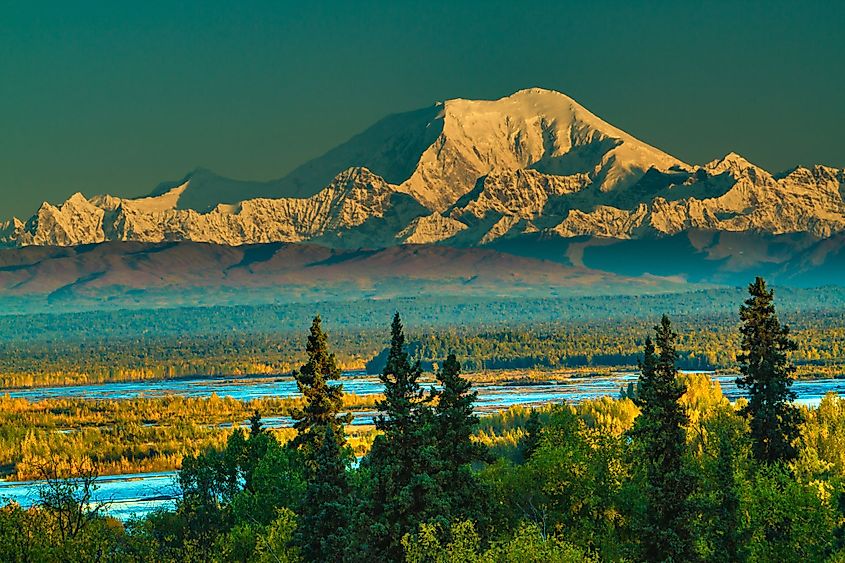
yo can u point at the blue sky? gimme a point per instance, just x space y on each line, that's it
117 96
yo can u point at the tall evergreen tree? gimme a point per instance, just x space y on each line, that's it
254 449
454 425
533 431
323 516
665 528
323 402
729 538
323 519
256 427
403 462
766 375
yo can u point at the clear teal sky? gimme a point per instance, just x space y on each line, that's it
117 96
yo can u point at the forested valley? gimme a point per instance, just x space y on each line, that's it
668 471
588 332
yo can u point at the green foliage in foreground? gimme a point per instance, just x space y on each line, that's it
672 475
766 374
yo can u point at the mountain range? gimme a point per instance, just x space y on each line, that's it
533 174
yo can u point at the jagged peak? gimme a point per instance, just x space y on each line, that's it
539 91
356 177
76 200
46 206
358 173
816 171
731 161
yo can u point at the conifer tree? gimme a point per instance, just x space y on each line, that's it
766 375
254 449
323 402
533 430
665 532
454 425
323 519
403 462
256 427
728 541
323 516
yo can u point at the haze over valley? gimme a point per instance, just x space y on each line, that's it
440 282
529 193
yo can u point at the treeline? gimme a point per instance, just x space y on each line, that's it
671 472
705 343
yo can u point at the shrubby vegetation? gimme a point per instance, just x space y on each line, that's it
137 435
670 471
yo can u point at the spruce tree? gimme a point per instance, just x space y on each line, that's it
766 375
256 427
533 433
323 402
729 539
254 449
323 516
454 425
403 462
323 519
659 431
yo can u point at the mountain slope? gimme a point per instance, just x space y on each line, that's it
531 166
120 274
438 153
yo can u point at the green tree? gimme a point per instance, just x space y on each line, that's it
323 401
209 481
403 462
660 436
527 545
324 513
786 520
323 518
766 375
724 466
250 452
278 479
453 429
532 434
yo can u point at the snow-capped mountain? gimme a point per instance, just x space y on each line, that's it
464 173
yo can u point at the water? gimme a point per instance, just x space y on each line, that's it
241 388
127 495
138 494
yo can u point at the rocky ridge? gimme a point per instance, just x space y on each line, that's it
465 173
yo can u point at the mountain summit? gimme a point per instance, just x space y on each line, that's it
437 153
464 173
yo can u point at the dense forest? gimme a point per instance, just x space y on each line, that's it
140 345
671 471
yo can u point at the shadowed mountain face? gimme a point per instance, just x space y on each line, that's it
534 170
122 274
391 148
133 274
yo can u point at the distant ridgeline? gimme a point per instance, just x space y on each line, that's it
534 175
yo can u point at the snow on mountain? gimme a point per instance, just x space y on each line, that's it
438 153
356 197
531 129
463 173
429 229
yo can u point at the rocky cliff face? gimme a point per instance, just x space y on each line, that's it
354 199
464 173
